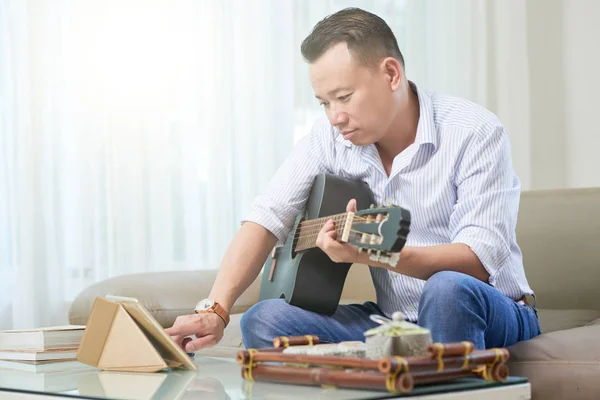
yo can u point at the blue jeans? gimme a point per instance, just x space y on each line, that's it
454 306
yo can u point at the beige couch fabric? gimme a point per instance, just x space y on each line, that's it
562 364
558 320
166 295
559 234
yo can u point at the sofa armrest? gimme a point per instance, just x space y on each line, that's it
166 295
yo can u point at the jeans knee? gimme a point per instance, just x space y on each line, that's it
447 286
259 323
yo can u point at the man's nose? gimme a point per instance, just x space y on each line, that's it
337 118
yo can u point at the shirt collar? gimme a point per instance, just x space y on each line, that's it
426 132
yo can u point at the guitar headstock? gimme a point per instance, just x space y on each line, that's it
380 229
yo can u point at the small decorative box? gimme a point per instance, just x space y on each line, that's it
396 337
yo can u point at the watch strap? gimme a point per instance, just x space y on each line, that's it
219 310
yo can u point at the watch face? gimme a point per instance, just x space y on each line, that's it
205 304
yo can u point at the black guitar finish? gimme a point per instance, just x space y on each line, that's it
309 279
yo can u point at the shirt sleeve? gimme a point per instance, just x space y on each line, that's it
285 197
488 192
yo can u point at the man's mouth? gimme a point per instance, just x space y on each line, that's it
347 133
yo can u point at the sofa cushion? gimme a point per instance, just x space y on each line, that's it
558 232
562 364
595 322
166 295
558 320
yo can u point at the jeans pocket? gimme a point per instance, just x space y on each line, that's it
530 320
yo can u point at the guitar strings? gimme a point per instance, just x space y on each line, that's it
312 235
322 221
309 230
353 236
315 227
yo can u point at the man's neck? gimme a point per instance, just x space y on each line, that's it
403 130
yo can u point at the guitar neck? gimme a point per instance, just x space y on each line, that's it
308 231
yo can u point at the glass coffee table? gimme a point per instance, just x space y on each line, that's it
216 378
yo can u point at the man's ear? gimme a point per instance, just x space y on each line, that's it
393 72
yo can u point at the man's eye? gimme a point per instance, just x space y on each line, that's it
345 97
324 104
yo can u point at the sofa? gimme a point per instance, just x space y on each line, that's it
559 234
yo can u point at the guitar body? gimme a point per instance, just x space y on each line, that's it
309 279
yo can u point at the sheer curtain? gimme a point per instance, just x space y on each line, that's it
135 133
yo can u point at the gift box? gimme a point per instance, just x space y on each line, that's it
396 337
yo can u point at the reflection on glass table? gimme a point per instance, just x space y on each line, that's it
215 379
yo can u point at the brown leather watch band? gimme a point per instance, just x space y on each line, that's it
220 311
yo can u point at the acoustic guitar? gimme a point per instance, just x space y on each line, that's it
303 274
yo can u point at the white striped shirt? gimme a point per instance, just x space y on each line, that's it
456 179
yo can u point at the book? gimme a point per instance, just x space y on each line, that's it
32 355
40 339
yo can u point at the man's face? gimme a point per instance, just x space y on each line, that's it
356 99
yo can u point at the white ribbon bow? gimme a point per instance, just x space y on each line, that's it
393 327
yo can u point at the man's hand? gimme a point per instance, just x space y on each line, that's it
338 252
206 327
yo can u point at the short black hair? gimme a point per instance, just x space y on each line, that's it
367 36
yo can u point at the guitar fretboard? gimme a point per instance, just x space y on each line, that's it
309 230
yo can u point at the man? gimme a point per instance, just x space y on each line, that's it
448 160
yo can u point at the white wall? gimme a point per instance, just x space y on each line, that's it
581 62
563 40
545 48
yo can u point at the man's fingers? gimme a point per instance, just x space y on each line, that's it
351 207
331 244
185 341
193 328
200 343
178 339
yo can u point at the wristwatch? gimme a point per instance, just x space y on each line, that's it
211 306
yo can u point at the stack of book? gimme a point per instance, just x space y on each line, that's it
41 349
42 359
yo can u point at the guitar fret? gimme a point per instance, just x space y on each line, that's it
308 231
